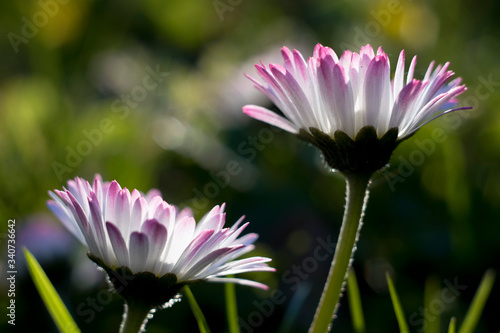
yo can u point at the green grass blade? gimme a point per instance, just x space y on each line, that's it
398 309
432 291
452 327
477 305
358 319
200 318
51 299
294 307
231 308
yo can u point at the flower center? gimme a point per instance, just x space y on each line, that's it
362 156
144 287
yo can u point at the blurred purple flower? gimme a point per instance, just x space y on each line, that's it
44 237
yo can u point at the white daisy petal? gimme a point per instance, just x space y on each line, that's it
399 75
270 117
377 94
243 282
138 251
157 238
118 245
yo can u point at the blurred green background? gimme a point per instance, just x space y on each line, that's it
150 93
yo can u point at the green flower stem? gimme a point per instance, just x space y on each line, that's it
356 199
231 308
134 318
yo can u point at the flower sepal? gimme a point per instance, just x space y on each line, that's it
362 156
142 288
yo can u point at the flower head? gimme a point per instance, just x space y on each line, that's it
335 102
160 246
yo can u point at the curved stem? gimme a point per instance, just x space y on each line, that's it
135 318
356 199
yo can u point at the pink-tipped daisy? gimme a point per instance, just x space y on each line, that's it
349 107
156 246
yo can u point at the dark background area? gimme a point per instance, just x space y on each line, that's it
74 102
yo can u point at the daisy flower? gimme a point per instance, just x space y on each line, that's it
349 107
149 248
